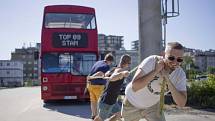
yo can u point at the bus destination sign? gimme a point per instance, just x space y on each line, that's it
69 40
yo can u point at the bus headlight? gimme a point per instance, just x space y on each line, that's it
45 88
45 79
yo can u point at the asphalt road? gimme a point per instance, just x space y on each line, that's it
24 104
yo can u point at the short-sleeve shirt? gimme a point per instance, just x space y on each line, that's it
150 94
99 66
111 91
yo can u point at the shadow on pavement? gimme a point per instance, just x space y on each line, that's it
210 110
74 108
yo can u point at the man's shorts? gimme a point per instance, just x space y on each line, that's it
131 113
95 92
105 110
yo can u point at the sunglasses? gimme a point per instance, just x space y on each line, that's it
172 58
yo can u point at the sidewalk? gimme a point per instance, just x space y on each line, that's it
2 88
173 113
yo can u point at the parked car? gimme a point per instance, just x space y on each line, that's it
201 77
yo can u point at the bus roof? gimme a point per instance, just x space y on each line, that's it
68 9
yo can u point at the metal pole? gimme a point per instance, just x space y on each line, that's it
150 27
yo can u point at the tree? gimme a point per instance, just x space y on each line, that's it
188 63
211 70
189 67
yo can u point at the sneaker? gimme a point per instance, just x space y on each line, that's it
92 117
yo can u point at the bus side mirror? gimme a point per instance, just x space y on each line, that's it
36 55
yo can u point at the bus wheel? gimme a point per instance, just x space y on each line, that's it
46 101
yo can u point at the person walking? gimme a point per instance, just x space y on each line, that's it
144 94
96 82
108 105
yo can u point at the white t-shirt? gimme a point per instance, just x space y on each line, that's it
149 95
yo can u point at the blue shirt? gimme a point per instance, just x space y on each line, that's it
99 66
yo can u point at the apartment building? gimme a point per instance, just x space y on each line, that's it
11 73
31 63
109 43
204 59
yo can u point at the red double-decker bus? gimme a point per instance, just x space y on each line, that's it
69 48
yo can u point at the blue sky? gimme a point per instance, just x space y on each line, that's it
21 21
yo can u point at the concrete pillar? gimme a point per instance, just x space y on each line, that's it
150 27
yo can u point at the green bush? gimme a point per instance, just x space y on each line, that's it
28 83
202 93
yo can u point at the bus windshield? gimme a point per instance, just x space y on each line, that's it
75 63
65 20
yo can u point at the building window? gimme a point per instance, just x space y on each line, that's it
8 64
8 72
108 41
1 64
30 51
30 75
29 56
35 62
35 75
35 68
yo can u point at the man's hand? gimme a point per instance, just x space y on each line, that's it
164 73
108 73
159 66
180 97
96 76
125 73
